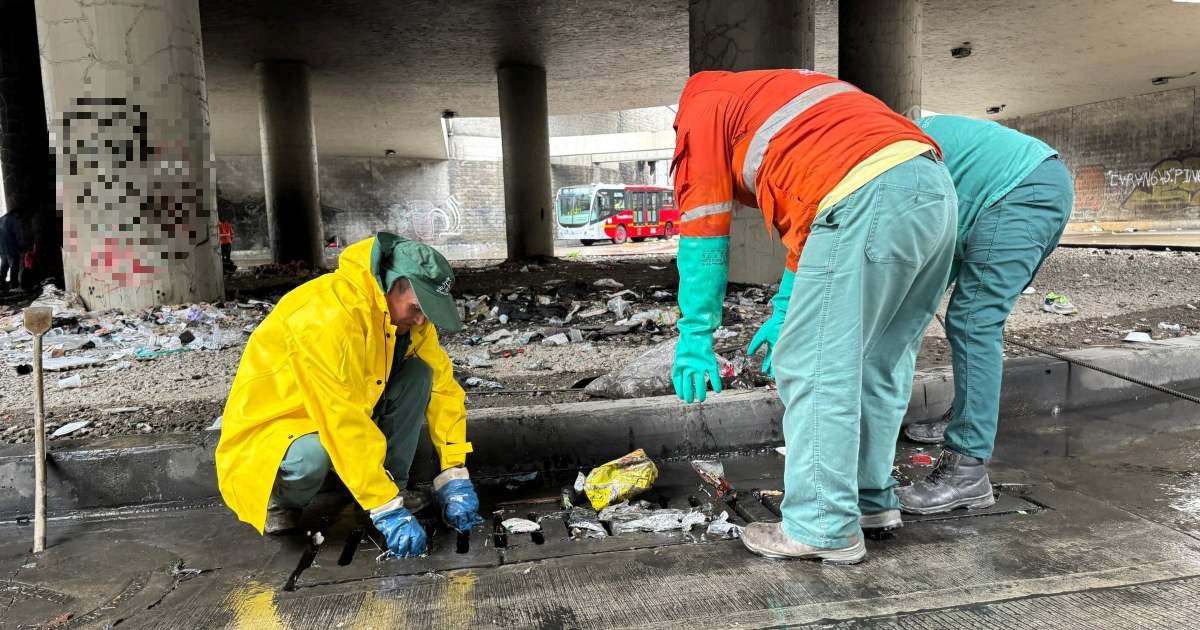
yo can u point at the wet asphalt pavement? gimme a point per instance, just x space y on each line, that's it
1096 524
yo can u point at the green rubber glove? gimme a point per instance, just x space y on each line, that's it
768 333
703 271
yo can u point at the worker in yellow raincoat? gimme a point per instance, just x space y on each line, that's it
339 377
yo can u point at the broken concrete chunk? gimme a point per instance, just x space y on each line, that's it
607 283
561 339
475 381
595 311
497 335
575 335
478 361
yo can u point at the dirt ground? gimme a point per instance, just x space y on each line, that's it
1115 290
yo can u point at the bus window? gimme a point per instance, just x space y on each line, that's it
668 199
575 206
654 200
609 202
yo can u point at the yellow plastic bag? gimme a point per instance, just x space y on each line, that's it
620 479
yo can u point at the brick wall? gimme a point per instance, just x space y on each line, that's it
1136 160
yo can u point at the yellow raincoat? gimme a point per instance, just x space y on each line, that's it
318 363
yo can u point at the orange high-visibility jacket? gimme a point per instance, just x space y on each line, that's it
778 140
225 232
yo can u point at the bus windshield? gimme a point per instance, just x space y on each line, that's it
575 206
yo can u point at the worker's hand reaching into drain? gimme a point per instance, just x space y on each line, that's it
457 498
768 333
404 535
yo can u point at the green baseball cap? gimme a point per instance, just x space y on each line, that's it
394 257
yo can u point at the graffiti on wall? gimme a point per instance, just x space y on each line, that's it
426 221
418 219
1172 184
1168 186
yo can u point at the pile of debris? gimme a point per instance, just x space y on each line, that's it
502 325
114 339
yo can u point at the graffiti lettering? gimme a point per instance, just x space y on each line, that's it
1169 185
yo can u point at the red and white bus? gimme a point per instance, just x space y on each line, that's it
615 212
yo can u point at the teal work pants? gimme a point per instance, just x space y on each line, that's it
399 414
1002 253
869 280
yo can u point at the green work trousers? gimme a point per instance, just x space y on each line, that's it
869 280
399 414
1002 254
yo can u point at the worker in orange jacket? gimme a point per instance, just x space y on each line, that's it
868 213
225 239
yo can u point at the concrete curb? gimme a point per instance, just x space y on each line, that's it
132 470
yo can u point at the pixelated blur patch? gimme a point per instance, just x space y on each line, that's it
131 202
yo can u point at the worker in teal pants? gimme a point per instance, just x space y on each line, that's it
1014 199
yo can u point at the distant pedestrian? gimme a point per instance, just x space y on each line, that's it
11 250
225 236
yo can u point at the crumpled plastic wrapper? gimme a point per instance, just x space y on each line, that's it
721 526
620 479
583 523
641 516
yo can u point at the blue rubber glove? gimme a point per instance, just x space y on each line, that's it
703 271
768 333
456 495
404 535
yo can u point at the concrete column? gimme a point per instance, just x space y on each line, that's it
879 50
751 35
24 140
525 141
289 157
124 84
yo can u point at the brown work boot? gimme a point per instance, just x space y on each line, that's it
415 500
281 520
769 540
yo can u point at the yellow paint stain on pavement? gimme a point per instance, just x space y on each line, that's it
253 607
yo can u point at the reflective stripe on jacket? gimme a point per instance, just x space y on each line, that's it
318 364
778 140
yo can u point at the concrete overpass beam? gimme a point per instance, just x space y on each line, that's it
879 50
125 87
525 141
751 35
289 158
24 140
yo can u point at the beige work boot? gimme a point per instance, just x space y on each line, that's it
769 540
